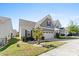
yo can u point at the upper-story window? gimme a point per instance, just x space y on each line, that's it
48 23
57 26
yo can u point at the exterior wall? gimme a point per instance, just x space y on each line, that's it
5 30
22 33
25 25
21 30
2 41
44 24
62 31
28 33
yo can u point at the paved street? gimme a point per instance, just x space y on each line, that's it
71 48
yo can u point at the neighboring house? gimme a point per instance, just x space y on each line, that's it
47 24
5 29
62 31
14 33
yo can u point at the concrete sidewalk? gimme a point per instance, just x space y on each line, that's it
69 49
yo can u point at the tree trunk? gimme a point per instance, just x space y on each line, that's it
38 41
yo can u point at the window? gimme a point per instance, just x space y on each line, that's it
43 32
48 23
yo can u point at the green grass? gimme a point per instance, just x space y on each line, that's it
11 41
69 37
54 44
25 49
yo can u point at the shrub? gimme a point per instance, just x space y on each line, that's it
57 35
49 46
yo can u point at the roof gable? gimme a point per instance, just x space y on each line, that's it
26 24
57 24
45 22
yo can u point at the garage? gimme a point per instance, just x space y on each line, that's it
48 36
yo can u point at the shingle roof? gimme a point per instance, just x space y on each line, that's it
31 24
3 19
57 22
39 22
26 23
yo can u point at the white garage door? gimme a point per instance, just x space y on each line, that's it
48 36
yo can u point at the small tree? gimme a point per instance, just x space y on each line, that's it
73 28
37 34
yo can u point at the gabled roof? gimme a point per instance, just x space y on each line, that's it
4 19
26 23
31 24
57 22
41 21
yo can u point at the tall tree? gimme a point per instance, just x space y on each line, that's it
37 34
73 27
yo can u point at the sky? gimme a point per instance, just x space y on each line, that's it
34 12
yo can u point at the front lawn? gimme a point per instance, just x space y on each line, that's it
26 49
23 50
54 43
51 45
68 37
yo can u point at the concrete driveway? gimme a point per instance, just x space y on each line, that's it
71 48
